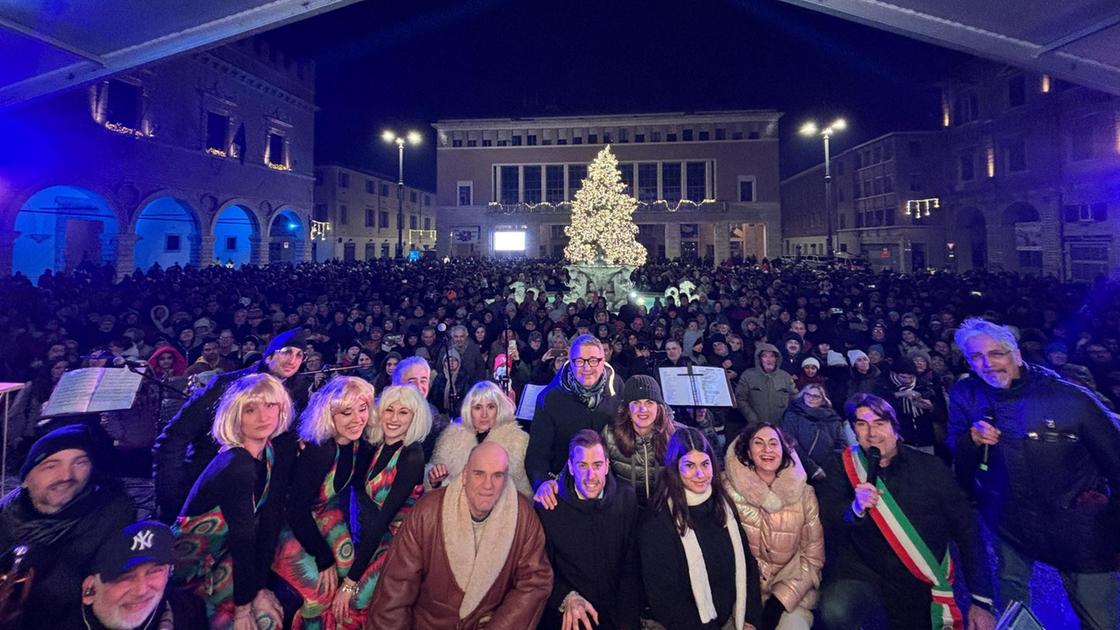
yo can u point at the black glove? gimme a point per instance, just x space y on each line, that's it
772 613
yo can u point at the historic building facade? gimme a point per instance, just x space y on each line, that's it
202 159
706 183
1023 176
355 215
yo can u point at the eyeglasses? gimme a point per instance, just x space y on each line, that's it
994 355
592 362
813 397
292 352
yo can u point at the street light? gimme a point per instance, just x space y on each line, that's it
412 137
810 129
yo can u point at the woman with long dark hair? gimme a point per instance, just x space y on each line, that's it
697 567
639 436
779 512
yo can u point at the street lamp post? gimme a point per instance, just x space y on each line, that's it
412 137
811 129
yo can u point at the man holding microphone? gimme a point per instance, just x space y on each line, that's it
1042 457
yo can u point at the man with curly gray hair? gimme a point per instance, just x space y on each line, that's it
1042 457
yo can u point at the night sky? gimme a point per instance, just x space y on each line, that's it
404 64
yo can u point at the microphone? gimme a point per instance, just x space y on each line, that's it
116 361
873 458
984 456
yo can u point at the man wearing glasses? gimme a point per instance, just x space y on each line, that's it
584 394
1042 457
185 447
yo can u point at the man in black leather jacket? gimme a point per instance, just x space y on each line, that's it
1042 457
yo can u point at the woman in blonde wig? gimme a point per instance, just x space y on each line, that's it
316 549
486 416
227 531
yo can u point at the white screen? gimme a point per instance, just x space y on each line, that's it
509 241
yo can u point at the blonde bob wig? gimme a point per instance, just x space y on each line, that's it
484 392
410 397
316 424
262 389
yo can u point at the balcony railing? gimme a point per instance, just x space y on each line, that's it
684 205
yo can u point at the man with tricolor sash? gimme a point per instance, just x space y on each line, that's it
888 525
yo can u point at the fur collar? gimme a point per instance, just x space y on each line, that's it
788 488
475 573
454 445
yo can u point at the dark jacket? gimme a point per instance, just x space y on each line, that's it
1049 479
558 415
916 429
665 569
592 546
930 498
818 434
185 447
61 546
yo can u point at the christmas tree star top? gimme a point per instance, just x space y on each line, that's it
602 231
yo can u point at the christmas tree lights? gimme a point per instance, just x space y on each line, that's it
602 229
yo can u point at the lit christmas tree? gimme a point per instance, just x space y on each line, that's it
602 229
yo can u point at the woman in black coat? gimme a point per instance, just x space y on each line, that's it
691 524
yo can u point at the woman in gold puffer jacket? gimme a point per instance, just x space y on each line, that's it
779 512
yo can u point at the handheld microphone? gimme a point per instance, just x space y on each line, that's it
873 459
984 456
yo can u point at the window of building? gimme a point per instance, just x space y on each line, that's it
577 140
384 190
427 200
412 196
531 140
876 155
705 136
1084 212
487 142
427 223
670 137
370 187
343 180
1088 261
320 212
413 222
647 182
746 188
888 218
123 106
639 137
754 135
721 134
173 243
1016 91
557 232
967 167
888 184
456 143
509 186
736 135
592 138
472 143
576 175
624 135
276 149
967 108
627 171
1016 155
914 149
560 141
554 183
343 215
217 130
503 143
516 141
696 181
655 136
606 137
671 181
371 221
686 135
383 219
532 177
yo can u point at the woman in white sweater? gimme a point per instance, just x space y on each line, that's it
485 416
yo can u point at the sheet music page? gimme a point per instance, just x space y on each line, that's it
528 402
117 390
73 392
710 387
714 391
675 386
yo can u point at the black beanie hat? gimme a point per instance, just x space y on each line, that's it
294 337
641 387
72 436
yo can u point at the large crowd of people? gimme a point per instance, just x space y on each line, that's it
349 445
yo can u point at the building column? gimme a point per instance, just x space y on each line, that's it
258 250
125 244
7 250
672 240
206 250
721 238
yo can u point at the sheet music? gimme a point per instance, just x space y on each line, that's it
707 387
117 390
528 402
73 392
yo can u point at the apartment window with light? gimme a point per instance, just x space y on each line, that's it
123 106
276 150
217 132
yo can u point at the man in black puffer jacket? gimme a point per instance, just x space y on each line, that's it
584 394
1042 456
185 447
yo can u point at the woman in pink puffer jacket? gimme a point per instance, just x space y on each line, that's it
780 514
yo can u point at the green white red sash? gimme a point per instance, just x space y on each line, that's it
909 546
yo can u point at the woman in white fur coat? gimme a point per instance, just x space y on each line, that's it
780 514
485 416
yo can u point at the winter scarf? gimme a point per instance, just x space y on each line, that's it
908 405
698 570
589 396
